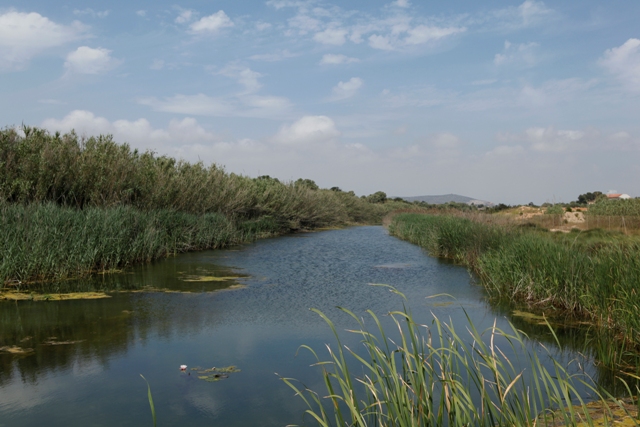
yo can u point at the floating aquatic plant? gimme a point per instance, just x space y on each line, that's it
215 374
208 278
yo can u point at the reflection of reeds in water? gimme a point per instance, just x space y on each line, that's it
591 275
433 376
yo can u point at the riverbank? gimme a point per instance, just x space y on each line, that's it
588 275
71 206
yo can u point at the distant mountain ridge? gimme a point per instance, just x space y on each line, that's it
446 198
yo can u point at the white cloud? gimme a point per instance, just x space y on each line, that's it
532 11
377 41
92 13
401 3
308 130
424 34
624 63
402 34
394 30
141 13
212 23
554 92
344 90
262 26
229 106
200 105
331 36
528 14
552 140
85 60
304 23
335 59
25 35
505 151
445 140
185 16
280 4
267 103
139 133
83 122
244 75
523 54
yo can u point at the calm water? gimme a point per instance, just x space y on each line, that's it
88 355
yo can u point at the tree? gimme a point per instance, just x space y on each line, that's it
309 183
585 198
377 197
267 178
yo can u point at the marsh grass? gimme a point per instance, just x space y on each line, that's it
48 242
591 275
433 375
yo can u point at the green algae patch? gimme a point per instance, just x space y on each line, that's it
530 317
151 289
209 278
25 296
54 341
14 349
623 412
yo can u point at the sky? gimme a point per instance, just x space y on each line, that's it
504 101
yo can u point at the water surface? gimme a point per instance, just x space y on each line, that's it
88 355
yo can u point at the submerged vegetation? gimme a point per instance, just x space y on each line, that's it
70 206
431 375
590 275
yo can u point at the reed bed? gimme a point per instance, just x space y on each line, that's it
591 275
51 242
431 375
604 207
73 205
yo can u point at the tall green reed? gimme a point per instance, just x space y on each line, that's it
50 242
432 375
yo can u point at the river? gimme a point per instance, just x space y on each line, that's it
88 355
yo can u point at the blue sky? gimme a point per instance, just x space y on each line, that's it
507 101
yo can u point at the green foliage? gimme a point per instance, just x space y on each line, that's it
604 207
308 183
377 197
583 199
554 210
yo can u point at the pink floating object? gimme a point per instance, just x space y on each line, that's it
183 367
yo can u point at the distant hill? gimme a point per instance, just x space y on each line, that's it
446 198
